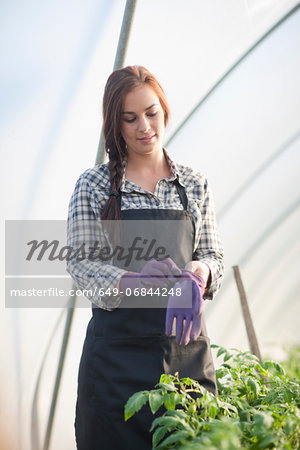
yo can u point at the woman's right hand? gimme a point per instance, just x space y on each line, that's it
155 273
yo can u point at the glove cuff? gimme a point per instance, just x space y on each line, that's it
186 274
129 280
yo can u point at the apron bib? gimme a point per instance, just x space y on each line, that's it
126 350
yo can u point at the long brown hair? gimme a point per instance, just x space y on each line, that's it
119 83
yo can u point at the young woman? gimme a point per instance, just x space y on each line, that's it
132 339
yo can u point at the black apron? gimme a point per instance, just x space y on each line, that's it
126 351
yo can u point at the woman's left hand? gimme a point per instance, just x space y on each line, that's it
186 305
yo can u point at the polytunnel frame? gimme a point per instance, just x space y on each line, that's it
231 69
237 194
119 62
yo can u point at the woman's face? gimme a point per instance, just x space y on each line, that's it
142 121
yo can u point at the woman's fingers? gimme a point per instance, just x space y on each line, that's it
196 327
169 322
175 270
168 266
187 331
154 274
179 328
160 270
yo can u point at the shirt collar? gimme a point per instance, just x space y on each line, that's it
175 173
127 186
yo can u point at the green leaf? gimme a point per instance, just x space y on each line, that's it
176 438
230 409
169 387
192 408
288 396
164 378
177 398
245 416
177 413
263 419
239 405
135 403
212 411
279 368
158 435
270 439
227 357
267 364
169 401
221 351
165 421
220 373
253 385
187 381
227 366
155 401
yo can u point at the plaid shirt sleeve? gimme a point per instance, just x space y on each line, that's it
208 248
84 231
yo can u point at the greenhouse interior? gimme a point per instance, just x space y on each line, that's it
230 71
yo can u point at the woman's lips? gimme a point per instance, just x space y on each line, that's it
147 139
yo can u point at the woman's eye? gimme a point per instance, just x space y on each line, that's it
134 118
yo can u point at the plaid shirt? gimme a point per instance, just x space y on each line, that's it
89 197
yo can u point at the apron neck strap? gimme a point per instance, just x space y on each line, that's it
182 195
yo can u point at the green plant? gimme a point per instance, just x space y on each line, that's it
292 365
257 408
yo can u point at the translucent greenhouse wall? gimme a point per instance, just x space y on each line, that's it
244 136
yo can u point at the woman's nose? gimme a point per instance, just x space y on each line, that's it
144 124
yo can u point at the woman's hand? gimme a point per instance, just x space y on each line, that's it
186 306
200 269
158 273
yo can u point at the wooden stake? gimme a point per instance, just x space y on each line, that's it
246 313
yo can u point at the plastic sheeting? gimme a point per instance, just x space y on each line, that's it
245 137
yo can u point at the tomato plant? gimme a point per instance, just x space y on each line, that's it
258 407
